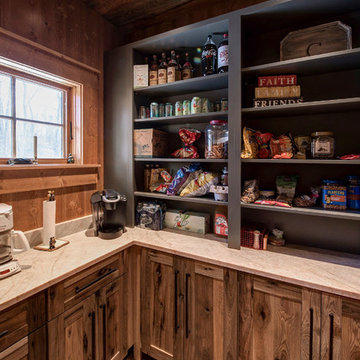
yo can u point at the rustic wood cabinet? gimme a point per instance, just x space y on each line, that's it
187 309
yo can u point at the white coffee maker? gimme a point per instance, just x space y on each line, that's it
8 238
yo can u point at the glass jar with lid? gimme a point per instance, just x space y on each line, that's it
322 145
216 140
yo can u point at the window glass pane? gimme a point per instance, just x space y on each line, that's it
5 95
50 144
38 102
5 138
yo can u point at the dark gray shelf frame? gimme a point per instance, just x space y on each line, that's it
184 119
205 83
301 161
197 200
346 214
175 160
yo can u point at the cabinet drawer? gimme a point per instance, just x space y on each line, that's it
91 280
19 320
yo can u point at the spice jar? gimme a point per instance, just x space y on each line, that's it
322 145
216 140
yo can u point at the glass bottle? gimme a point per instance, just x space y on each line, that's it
172 67
209 57
179 68
153 73
162 70
187 70
223 55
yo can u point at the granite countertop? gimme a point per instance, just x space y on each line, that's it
317 269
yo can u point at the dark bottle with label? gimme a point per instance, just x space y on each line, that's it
162 71
154 71
179 68
172 67
209 57
187 69
223 55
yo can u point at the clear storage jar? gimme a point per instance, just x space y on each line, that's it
322 145
216 140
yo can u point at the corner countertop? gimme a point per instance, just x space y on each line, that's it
323 270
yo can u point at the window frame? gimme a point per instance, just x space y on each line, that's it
68 92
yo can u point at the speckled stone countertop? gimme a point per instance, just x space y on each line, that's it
317 269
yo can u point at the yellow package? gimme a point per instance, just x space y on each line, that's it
201 185
251 147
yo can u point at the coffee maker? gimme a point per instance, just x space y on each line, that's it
109 213
8 238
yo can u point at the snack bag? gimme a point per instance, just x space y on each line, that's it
251 147
263 140
201 185
159 180
282 147
181 177
250 192
186 152
188 137
286 187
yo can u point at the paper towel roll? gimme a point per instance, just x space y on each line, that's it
49 213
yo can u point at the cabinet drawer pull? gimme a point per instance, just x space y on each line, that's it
3 333
311 333
187 330
92 316
176 300
80 289
331 344
103 307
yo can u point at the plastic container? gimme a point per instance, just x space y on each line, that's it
322 145
334 195
216 140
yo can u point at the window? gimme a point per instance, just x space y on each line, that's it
29 107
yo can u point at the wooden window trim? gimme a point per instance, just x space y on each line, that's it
73 107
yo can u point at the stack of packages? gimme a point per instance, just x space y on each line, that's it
277 90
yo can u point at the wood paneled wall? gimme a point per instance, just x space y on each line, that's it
191 12
64 30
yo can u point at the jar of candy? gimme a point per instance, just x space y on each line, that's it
216 140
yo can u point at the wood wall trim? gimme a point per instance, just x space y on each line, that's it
47 50
48 167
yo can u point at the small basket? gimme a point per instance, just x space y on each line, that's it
248 237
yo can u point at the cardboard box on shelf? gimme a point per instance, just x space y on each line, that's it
188 221
150 143
141 76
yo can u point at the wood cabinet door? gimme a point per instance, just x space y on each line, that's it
73 334
210 308
340 328
276 322
113 328
158 280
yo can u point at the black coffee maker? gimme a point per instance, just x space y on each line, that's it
109 213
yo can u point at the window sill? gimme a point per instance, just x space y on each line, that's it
25 178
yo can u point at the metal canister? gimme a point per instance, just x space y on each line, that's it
195 105
169 110
218 106
224 104
178 108
186 107
147 110
205 105
154 109
142 112
161 110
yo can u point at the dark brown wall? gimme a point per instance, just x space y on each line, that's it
188 13
71 29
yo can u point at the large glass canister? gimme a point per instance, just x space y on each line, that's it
216 140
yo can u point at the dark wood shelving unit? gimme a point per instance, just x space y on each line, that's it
175 160
301 161
197 200
184 119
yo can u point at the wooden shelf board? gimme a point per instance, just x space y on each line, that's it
310 107
169 160
346 215
339 60
300 161
184 119
198 200
204 83
48 167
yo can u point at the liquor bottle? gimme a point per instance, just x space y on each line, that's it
209 57
162 71
172 67
179 68
187 69
154 71
223 55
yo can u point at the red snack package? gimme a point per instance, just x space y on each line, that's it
187 152
281 147
189 136
263 139
350 157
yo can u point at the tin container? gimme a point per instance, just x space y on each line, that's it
169 110
195 105
334 195
178 108
142 112
224 104
205 105
154 109
147 111
161 110
353 192
186 107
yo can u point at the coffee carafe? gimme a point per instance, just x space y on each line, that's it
9 237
